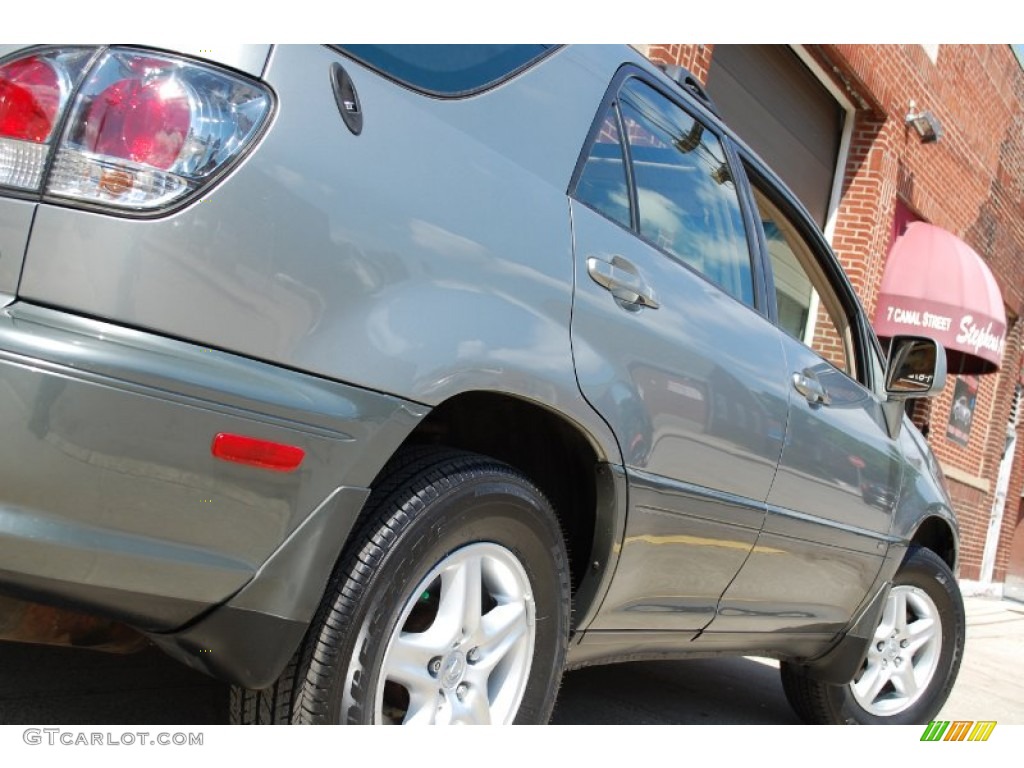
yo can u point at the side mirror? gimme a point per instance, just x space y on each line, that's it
917 368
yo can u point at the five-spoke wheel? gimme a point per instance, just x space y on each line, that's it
463 647
903 656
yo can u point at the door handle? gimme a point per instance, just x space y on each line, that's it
809 386
623 280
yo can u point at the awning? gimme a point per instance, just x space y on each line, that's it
936 285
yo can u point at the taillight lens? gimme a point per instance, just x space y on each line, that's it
146 130
34 91
142 121
29 99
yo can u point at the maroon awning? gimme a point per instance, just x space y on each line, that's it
936 285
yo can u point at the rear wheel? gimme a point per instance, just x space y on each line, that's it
450 605
463 647
912 661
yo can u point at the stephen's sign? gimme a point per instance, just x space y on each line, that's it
953 328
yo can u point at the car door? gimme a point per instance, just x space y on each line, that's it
671 349
830 507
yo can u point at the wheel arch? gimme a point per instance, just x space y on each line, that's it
585 485
937 534
567 463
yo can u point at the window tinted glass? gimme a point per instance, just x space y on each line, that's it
447 69
808 309
602 184
687 201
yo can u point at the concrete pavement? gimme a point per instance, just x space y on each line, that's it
991 683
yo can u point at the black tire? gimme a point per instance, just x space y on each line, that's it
924 586
433 508
270 706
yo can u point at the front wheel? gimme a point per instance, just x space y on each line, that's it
912 661
450 605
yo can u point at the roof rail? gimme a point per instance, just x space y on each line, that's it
686 80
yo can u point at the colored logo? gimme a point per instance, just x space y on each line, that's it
958 730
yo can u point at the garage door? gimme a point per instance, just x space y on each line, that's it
777 105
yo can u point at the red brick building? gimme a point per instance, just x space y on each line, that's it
833 121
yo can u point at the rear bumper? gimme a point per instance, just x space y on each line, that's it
110 499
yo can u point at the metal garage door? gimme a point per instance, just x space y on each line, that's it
777 105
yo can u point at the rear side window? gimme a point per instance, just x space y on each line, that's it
682 197
603 184
448 70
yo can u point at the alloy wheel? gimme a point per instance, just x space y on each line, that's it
462 648
904 653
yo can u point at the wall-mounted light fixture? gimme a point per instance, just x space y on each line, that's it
925 123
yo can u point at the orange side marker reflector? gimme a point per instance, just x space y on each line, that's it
264 454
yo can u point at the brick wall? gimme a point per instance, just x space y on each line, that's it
696 58
970 181
972 508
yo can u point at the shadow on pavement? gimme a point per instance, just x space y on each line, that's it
737 691
62 686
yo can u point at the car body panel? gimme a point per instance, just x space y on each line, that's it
923 495
796 584
683 546
321 263
144 523
15 225
826 536
842 450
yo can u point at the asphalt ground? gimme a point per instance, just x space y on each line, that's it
61 686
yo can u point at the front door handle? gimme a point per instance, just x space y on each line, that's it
807 384
623 280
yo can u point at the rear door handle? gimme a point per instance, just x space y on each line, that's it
623 280
807 384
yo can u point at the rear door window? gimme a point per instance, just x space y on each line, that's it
683 198
809 307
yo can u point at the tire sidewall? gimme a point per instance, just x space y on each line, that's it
493 507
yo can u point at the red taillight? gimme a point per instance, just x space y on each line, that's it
30 98
257 453
148 129
142 121
139 130
34 92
